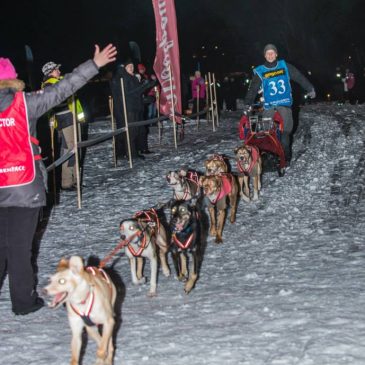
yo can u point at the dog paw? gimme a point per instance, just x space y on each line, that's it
218 239
182 277
166 272
212 232
152 294
187 288
140 281
255 197
245 198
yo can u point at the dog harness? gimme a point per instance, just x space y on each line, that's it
225 189
183 245
85 316
17 165
255 154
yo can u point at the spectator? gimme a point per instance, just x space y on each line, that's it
23 175
198 91
348 87
134 104
64 122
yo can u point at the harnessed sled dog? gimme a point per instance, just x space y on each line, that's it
185 184
249 165
145 237
185 239
90 296
217 189
215 165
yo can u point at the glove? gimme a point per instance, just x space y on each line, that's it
312 94
246 109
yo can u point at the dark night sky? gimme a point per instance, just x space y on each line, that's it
313 34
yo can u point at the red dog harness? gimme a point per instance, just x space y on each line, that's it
183 245
85 316
255 155
16 154
225 189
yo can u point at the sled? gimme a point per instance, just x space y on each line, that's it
265 134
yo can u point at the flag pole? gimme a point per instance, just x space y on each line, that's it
76 149
173 108
159 124
111 107
126 123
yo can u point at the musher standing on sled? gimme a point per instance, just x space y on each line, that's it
274 77
22 173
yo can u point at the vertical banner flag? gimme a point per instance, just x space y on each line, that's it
167 56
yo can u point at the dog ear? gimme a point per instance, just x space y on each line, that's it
201 180
76 264
236 150
182 172
63 264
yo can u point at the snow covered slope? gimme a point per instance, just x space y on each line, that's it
286 287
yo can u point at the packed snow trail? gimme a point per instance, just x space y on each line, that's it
286 287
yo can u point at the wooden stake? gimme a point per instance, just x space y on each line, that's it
111 108
76 149
215 100
126 123
207 98
51 126
211 99
197 106
173 108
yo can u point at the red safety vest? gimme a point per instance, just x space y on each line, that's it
17 165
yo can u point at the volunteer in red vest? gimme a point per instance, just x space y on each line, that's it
274 77
64 121
22 173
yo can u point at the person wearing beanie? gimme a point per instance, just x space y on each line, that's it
198 92
63 114
134 90
274 77
23 174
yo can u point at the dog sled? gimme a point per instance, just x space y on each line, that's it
265 134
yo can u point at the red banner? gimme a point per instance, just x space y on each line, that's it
167 56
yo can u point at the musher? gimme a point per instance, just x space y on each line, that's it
274 77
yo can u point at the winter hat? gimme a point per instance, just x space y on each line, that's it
7 70
141 67
270 47
49 67
128 61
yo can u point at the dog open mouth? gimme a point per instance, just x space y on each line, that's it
179 226
58 299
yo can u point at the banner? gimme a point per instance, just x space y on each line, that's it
167 56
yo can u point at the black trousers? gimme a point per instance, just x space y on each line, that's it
17 229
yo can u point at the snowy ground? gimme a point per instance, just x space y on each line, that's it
286 287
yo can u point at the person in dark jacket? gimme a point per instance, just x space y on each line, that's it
274 78
134 104
22 186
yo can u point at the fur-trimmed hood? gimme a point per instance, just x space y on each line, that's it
15 84
8 88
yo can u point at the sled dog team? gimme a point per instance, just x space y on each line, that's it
88 292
